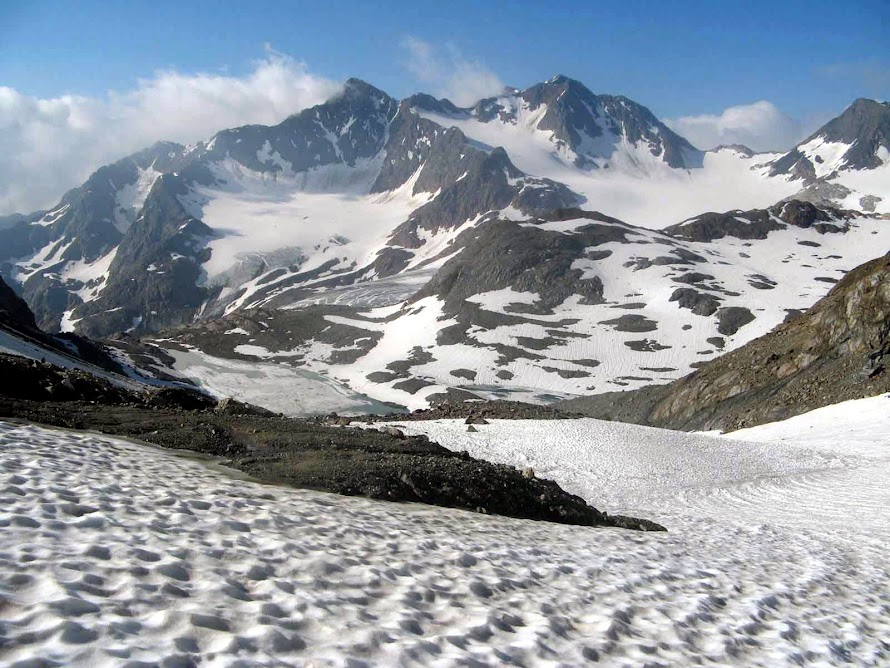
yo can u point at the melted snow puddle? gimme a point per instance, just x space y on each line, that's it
112 553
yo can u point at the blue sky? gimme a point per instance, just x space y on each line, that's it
677 57
85 83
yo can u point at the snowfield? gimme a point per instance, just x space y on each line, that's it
278 387
115 553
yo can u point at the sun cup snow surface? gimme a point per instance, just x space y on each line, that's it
113 553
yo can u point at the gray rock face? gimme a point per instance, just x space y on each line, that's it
864 125
153 278
84 226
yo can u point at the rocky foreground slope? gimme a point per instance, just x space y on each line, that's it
838 350
19 332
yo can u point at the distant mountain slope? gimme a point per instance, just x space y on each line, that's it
61 258
570 302
354 189
846 161
838 350
612 151
413 247
587 130
857 139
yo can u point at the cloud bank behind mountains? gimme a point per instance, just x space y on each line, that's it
760 126
448 73
48 146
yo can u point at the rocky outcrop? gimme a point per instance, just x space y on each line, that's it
758 223
504 254
836 351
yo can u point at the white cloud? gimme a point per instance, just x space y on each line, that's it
449 74
760 126
50 145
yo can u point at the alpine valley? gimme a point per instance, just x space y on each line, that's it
543 244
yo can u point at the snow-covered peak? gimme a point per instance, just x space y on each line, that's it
858 139
575 126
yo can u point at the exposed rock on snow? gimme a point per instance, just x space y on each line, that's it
838 350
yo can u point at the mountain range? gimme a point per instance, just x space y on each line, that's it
547 242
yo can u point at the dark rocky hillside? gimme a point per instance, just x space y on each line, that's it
312 454
836 351
13 309
17 320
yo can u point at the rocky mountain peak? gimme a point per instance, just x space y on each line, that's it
592 125
864 127
865 121
356 89
561 83
426 102
741 149
348 127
